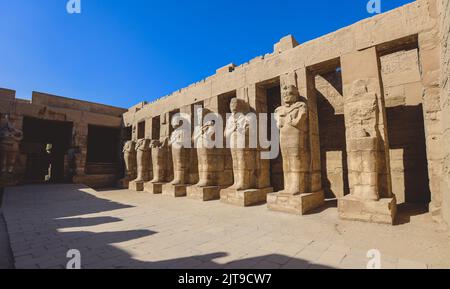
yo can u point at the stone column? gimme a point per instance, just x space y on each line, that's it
129 156
251 185
213 175
10 138
179 147
371 197
79 141
240 132
143 165
430 67
300 147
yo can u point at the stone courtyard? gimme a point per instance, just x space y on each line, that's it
126 229
314 155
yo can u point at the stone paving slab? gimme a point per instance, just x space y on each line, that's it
125 229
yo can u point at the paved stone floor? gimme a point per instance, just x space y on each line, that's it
124 229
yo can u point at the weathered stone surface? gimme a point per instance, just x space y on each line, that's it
383 211
445 105
10 138
203 193
295 204
154 188
244 198
174 190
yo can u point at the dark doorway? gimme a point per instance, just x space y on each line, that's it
156 128
103 144
45 143
333 147
141 130
271 90
409 166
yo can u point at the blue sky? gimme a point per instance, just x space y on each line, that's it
123 52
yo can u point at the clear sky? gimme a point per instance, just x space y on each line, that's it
121 52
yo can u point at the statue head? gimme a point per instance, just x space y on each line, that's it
238 105
48 148
290 94
129 145
177 121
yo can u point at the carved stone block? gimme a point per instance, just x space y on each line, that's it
295 204
244 198
203 193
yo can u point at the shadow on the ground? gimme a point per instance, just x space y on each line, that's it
52 219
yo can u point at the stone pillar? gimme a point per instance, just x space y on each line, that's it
79 141
178 146
429 61
371 197
246 159
160 163
10 139
445 105
300 147
213 175
129 156
143 165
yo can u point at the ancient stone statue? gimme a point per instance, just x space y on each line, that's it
159 160
180 154
10 138
142 157
292 120
129 156
203 138
237 134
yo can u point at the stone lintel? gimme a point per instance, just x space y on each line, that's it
136 186
245 198
295 204
383 211
153 188
175 191
203 193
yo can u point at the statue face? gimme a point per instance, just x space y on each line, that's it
290 94
234 105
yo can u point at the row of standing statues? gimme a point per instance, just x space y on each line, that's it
249 184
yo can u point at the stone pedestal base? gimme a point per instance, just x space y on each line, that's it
295 204
383 211
175 191
124 183
203 193
245 198
136 186
153 188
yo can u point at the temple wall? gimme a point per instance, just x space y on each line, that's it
407 48
384 30
445 101
79 115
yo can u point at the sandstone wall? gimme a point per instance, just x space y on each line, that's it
406 38
54 108
445 101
